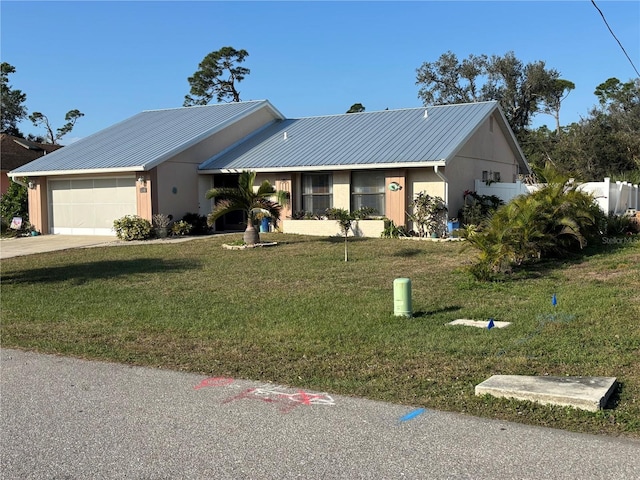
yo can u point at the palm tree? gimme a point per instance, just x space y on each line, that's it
244 198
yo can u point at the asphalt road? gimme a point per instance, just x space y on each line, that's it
65 418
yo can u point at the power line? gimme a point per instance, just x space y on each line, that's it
614 36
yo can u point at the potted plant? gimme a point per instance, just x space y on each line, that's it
161 224
263 218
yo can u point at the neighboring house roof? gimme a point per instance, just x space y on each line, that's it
142 141
393 138
16 152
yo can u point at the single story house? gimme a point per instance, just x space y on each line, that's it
164 161
15 152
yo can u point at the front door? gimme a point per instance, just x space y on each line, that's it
234 221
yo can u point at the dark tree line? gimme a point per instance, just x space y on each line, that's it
604 143
13 111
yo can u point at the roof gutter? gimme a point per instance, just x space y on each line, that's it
19 182
92 171
323 168
446 183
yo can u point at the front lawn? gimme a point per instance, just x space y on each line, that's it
297 314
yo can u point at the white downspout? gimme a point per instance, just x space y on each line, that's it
19 182
446 184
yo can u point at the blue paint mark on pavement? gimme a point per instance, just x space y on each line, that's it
413 414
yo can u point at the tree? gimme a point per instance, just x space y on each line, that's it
244 198
615 96
520 89
447 80
356 108
208 82
552 101
345 220
71 118
605 143
12 110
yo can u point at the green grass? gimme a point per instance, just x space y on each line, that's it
297 314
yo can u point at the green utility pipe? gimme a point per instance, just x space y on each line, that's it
402 297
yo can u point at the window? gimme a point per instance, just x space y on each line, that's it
367 190
317 192
490 176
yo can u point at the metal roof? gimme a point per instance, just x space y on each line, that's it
357 140
142 141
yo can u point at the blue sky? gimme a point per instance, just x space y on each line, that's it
112 60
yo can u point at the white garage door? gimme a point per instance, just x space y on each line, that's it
89 206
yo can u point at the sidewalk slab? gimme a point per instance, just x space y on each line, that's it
586 393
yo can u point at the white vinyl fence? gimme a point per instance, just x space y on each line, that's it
612 197
504 191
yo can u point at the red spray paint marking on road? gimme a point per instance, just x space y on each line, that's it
287 401
214 382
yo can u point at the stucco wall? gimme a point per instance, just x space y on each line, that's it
329 228
487 150
342 189
179 189
176 189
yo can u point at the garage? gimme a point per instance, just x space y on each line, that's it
88 206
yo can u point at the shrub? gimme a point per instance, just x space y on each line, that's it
181 228
429 215
14 203
132 227
393 231
552 221
478 208
302 215
619 225
198 224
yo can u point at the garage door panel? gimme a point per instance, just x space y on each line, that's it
126 188
89 206
105 191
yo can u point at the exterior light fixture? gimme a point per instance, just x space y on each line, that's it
31 184
395 186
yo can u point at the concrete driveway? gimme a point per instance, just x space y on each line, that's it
15 247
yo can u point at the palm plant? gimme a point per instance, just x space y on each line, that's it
554 220
244 198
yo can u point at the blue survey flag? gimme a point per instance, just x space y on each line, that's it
554 300
490 325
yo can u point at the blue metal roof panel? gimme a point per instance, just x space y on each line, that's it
143 140
386 137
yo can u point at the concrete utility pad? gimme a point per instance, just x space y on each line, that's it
586 393
478 323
